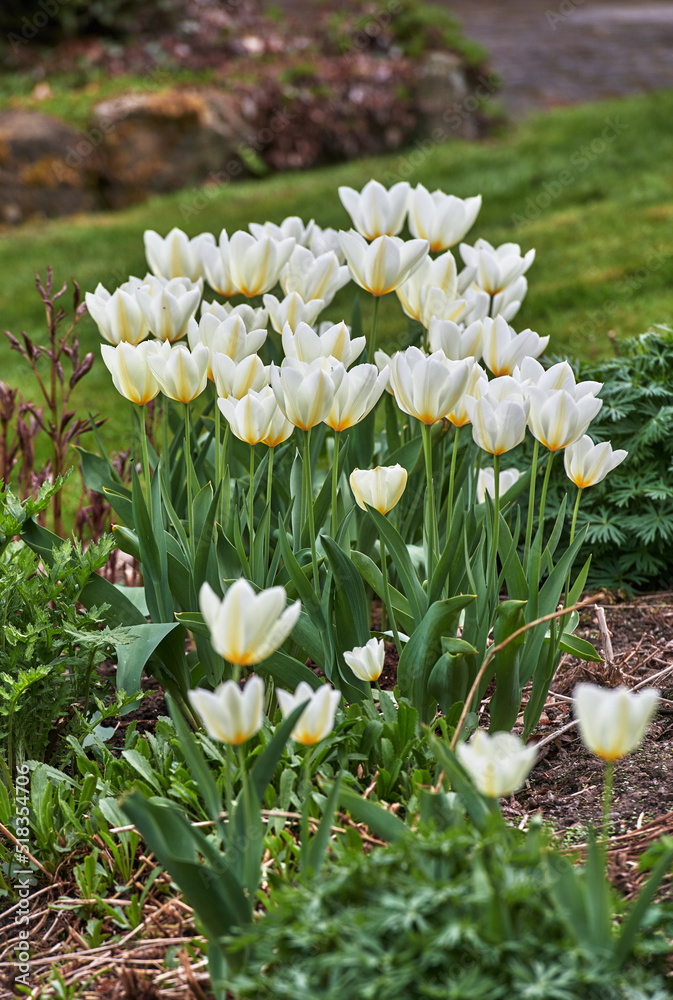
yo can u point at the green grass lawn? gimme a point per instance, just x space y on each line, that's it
600 217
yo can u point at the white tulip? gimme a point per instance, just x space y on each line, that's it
587 463
375 211
497 267
441 219
215 263
367 661
438 273
255 265
182 375
118 317
383 362
228 336
168 305
613 722
313 277
131 374
436 304
359 392
428 387
246 627
503 349
292 227
486 482
381 267
556 419
253 319
508 302
497 764
559 376
380 488
325 241
292 310
250 416
280 428
230 713
236 378
305 344
304 392
455 340
317 720
476 384
176 256
499 415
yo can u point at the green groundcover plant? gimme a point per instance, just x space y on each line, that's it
449 915
629 519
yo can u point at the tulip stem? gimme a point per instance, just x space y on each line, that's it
311 516
531 505
146 461
572 535
492 575
607 803
251 502
371 346
229 766
545 484
306 809
218 453
386 596
452 478
269 488
165 403
335 482
431 513
188 470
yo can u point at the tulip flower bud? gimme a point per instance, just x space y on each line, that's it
317 720
441 219
428 387
231 714
587 463
376 211
497 764
367 661
486 482
250 417
292 311
380 488
304 392
118 316
613 722
496 267
255 265
131 373
176 256
247 627
382 266
313 277
181 375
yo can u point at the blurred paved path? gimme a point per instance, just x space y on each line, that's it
557 52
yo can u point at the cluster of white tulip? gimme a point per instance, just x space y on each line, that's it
476 370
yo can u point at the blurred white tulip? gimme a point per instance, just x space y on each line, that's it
441 219
230 713
376 211
176 255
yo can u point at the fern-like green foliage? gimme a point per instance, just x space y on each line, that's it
49 646
629 516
